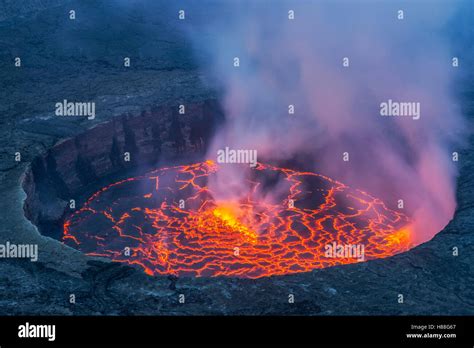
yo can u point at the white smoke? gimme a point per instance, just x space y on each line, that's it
337 109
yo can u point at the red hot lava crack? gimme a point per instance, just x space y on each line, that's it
167 222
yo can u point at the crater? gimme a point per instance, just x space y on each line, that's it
135 190
59 181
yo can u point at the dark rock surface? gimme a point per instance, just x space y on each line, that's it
432 280
13 8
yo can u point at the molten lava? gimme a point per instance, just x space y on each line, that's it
230 216
168 222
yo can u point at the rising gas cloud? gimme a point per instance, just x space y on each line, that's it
404 57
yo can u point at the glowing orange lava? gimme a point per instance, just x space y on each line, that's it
168 222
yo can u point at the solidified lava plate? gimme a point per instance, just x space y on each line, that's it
168 222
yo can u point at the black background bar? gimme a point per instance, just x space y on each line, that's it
242 330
